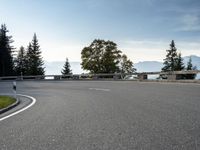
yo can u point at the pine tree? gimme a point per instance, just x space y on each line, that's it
6 53
171 57
190 67
34 59
179 65
29 63
189 64
21 65
66 68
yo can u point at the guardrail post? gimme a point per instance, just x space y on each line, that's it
171 76
15 88
57 77
142 76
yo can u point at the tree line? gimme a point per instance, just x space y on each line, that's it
28 60
102 57
99 57
174 62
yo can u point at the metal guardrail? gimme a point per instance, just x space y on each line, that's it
116 76
182 72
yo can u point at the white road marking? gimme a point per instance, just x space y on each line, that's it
23 109
99 89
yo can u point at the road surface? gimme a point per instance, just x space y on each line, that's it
104 115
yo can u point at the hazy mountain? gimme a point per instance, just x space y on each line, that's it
148 66
195 60
55 67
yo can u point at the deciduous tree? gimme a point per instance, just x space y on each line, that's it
101 57
126 65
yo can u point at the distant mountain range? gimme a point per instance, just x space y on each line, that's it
148 66
55 67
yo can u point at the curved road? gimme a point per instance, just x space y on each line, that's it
96 115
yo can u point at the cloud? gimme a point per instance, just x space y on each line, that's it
190 22
148 50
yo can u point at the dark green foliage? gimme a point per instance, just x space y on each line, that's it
111 58
189 64
66 68
6 52
21 62
179 65
29 63
92 56
126 65
190 67
101 57
170 60
173 61
34 59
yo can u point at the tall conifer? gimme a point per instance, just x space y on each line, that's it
21 62
34 58
66 68
6 53
171 57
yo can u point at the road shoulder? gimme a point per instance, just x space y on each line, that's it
25 103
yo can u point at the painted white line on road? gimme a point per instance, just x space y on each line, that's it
99 89
23 109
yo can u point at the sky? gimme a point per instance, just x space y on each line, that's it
142 29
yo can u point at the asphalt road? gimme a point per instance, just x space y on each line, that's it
96 115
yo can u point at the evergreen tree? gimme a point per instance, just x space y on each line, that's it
29 63
126 65
179 65
66 68
34 58
21 65
6 53
190 67
189 64
171 57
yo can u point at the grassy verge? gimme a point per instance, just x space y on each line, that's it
5 101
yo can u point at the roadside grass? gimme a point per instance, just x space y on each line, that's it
5 101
